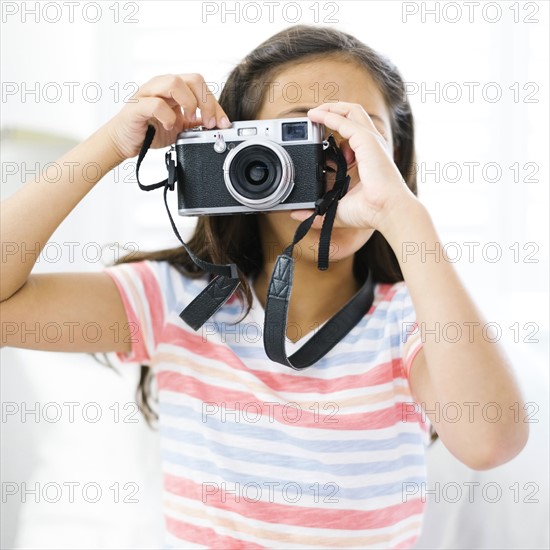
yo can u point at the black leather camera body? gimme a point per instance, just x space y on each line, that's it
254 166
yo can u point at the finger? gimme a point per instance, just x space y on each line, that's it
365 142
211 112
346 127
174 91
161 86
349 208
347 151
157 108
187 100
353 111
301 215
182 122
190 92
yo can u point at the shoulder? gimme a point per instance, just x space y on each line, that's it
391 298
158 280
392 311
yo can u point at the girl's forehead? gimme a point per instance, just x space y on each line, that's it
301 86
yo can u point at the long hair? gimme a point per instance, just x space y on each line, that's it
235 239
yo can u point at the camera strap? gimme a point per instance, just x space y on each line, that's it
280 286
226 278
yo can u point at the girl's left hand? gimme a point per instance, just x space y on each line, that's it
381 187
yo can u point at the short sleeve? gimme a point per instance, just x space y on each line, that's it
142 289
410 342
410 337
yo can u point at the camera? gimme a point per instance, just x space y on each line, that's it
254 166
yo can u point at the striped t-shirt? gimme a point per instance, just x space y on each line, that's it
257 455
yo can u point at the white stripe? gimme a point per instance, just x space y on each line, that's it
287 449
309 494
388 319
312 434
258 525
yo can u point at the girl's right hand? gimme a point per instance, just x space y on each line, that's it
169 103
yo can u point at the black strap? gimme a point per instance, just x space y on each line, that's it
149 136
328 203
226 280
280 286
276 314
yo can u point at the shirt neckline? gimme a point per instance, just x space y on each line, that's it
257 315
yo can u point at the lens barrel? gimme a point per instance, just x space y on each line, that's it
259 174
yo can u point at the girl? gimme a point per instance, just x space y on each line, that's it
256 454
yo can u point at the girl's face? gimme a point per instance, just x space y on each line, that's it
294 91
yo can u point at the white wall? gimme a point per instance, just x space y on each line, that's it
179 37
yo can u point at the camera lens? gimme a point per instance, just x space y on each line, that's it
256 172
259 174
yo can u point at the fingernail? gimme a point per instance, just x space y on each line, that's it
193 117
224 122
211 122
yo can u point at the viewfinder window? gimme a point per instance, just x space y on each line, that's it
294 131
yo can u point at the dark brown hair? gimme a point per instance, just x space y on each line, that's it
226 239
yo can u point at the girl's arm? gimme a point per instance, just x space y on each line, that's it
463 379
472 372
49 311
30 216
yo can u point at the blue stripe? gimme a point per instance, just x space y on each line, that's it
255 350
251 331
259 433
323 489
293 462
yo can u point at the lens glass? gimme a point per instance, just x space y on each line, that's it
255 172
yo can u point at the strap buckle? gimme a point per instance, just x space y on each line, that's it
325 202
170 160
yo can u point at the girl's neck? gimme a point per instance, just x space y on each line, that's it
316 295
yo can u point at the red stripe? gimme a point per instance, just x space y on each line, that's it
386 291
205 536
300 516
282 380
418 347
153 294
138 351
290 415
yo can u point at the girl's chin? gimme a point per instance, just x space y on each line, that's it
344 242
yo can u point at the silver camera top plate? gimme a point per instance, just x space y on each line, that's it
271 130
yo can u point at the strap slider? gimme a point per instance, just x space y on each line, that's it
170 155
170 161
234 271
323 204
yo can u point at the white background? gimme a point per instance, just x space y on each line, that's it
504 48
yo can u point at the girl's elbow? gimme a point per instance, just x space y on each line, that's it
501 449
